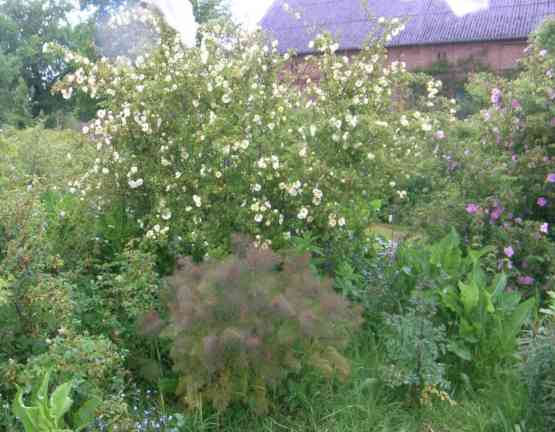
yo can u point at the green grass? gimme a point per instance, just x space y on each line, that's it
365 404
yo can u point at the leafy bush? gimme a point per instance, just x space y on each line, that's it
483 318
120 293
240 326
494 179
94 362
244 149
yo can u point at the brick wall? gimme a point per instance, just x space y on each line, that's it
498 56
462 58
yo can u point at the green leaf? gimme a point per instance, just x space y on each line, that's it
60 402
40 393
450 299
460 351
470 295
499 285
476 255
86 414
513 327
376 204
29 416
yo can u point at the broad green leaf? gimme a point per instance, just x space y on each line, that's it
513 327
470 295
476 255
488 303
86 414
450 298
60 402
499 284
460 351
29 416
479 277
40 393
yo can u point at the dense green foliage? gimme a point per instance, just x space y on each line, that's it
27 73
189 146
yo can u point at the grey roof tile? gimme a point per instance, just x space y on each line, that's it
430 21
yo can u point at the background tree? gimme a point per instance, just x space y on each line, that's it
207 10
204 10
27 70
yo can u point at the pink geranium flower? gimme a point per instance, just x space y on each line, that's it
544 228
550 178
472 208
526 280
509 251
542 201
496 213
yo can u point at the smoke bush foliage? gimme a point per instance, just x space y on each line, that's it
241 326
203 142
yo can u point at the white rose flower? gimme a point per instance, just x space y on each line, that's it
303 213
134 184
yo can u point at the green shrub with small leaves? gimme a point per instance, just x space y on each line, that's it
96 363
241 326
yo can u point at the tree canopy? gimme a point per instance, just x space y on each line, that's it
27 72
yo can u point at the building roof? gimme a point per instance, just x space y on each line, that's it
430 21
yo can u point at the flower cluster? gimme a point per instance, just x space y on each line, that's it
202 142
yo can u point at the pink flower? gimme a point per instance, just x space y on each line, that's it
514 158
553 122
496 213
516 104
496 96
551 178
544 228
509 251
472 208
526 280
542 201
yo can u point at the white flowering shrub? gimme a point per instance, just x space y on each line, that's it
197 143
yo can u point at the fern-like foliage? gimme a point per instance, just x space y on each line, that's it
240 326
414 346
